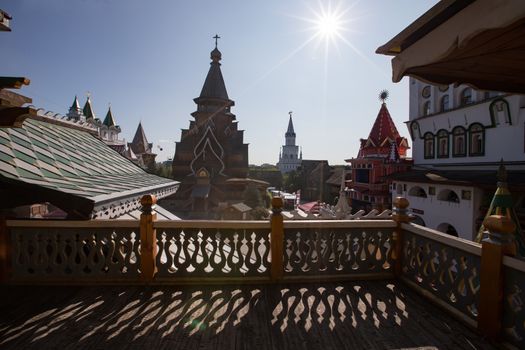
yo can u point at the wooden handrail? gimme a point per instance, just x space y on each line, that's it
455 242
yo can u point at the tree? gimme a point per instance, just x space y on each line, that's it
252 196
293 181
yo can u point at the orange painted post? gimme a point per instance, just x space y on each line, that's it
5 251
148 243
500 242
277 239
400 215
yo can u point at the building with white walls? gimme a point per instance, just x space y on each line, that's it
460 135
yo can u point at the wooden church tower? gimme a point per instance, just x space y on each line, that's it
211 151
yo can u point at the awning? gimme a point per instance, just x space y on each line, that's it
200 191
481 43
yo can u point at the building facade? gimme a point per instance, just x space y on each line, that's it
139 151
211 158
289 156
381 154
460 135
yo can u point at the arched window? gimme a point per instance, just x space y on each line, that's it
466 97
459 142
500 112
442 139
444 104
417 191
448 196
429 145
476 140
426 108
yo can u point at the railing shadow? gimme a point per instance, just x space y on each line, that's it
371 315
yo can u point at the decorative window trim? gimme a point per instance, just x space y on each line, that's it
425 92
442 135
470 134
491 110
415 130
432 154
427 106
442 107
465 143
462 98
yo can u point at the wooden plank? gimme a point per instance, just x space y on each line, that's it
459 243
74 223
328 224
359 314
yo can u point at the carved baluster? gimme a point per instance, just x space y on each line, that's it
500 242
277 239
148 237
400 216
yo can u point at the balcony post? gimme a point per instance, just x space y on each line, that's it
148 243
400 215
277 239
500 242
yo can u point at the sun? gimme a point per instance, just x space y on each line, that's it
329 25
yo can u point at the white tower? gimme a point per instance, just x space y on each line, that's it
289 158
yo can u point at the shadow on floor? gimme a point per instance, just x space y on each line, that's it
350 315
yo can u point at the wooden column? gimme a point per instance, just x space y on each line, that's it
277 239
5 250
500 242
148 243
400 215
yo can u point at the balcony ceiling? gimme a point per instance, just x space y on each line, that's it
480 43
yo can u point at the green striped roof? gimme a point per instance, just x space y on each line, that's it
71 162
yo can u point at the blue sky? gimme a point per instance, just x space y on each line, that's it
149 60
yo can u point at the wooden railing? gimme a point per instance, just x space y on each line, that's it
481 284
74 251
444 268
513 323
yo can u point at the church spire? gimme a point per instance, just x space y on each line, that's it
75 112
214 86
290 131
109 120
88 109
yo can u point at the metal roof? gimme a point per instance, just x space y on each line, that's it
73 169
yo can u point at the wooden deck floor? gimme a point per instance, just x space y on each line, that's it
350 315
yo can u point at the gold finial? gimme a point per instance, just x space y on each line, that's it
502 173
383 95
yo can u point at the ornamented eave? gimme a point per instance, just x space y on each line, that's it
117 207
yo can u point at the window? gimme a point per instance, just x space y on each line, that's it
399 189
459 141
429 145
477 140
500 113
426 92
426 108
442 139
466 195
417 191
444 103
448 196
431 190
466 97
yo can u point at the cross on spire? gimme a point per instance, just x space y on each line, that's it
290 113
216 37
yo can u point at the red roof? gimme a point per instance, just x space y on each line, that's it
383 132
383 128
